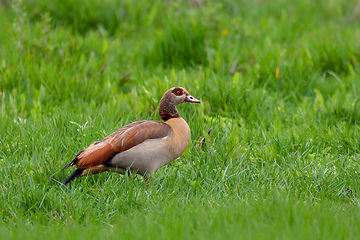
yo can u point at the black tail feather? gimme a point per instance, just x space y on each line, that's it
73 162
74 175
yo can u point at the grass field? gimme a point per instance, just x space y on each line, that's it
279 83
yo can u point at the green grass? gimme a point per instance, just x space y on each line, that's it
279 85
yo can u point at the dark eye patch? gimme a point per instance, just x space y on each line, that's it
177 91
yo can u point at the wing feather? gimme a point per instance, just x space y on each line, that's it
121 140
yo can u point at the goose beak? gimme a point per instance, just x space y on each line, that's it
191 99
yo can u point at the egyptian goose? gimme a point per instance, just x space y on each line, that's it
142 146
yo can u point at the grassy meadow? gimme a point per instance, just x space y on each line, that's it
279 83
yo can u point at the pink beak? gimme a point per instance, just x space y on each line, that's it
190 98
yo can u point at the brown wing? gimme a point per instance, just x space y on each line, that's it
121 140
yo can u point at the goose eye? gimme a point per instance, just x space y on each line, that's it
178 92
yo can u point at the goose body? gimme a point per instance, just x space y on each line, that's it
142 146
